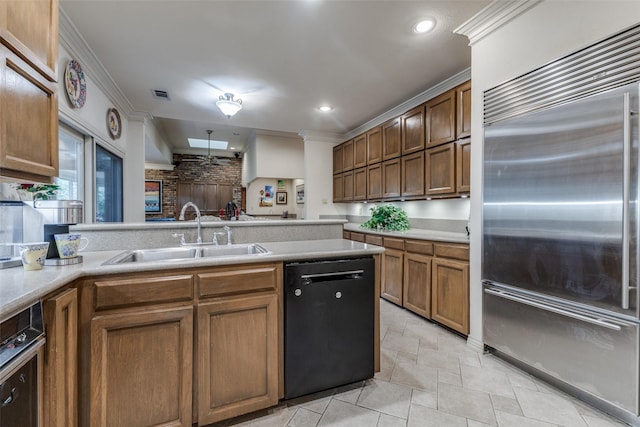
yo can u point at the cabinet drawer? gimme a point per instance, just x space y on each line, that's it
230 280
419 247
119 293
460 252
394 243
346 234
358 237
373 240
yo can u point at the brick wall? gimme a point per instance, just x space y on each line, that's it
194 170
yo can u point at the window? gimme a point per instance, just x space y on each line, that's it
108 186
71 164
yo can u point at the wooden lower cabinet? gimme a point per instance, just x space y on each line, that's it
142 368
417 284
61 363
450 293
392 275
237 356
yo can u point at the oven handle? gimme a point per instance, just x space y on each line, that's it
21 359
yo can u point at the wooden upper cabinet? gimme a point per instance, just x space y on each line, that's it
30 29
374 145
337 158
413 174
440 163
347 156
347 185
360 151
391 178
338 188
29 121
441 119
463 117
413 127
463 166
360 184
374 181
391 139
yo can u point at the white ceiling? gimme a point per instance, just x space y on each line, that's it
282 58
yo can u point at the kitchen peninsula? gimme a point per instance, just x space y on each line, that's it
204 333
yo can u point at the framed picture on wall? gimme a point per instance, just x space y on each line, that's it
300 193
281 197
153 196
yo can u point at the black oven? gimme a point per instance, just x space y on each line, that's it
21 363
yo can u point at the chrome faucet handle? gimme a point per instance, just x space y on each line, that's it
215 237
181 236
228 230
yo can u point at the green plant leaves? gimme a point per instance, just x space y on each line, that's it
388 218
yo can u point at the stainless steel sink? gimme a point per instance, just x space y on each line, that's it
182 253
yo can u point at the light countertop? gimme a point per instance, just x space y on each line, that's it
414 233
20 288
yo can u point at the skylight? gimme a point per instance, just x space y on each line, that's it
203 143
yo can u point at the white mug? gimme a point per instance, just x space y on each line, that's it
69 244
33 254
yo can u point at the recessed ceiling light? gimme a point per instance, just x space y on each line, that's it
424 26
325 108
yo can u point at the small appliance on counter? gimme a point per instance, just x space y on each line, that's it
57 216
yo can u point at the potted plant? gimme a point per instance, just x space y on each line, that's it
37 191
387 218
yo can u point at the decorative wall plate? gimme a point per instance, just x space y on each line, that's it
114 124
75 84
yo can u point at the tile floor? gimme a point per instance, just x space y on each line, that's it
429 377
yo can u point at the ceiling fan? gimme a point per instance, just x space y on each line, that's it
208 159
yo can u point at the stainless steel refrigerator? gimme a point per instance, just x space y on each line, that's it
560 244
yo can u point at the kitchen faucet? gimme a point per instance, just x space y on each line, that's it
181 218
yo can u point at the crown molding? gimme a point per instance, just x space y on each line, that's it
71 39
492 17
315 136
421 98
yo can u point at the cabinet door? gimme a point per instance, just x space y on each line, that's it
337 158
61 363
28 121
142 368
374 145
440 167
450 294
391 139
463 166
360 184
463 117
413 130
413 174
347 156
338 188
441 119
417 284
391 178
237 356
360 151
374 181
31 28
392 275
347 185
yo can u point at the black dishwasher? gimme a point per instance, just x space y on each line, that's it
328 324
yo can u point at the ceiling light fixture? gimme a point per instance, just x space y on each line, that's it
228 105
325 108
424 26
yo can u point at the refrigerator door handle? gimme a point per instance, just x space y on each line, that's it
626 185
554 309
